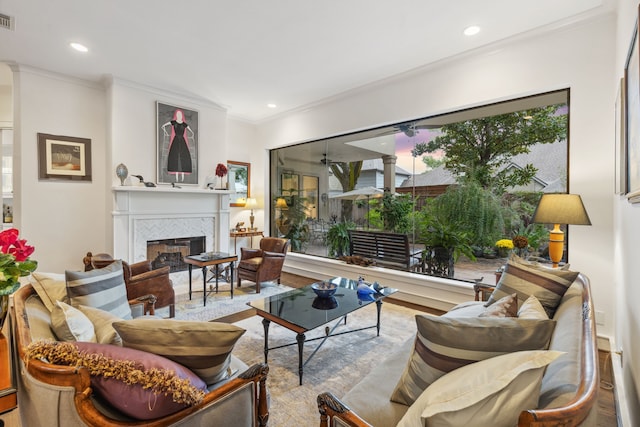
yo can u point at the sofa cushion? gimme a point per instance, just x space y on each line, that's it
444 343
50 287
70 324
103 288
141 385
103 324
526 279
204 347
491 392
251 264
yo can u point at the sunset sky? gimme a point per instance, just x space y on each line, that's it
404 145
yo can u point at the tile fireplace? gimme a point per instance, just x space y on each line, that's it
144 214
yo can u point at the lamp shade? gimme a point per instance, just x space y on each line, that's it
561 209
251 203
281 203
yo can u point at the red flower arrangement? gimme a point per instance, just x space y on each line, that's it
221 171
14 260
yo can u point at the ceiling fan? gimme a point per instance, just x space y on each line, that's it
325 161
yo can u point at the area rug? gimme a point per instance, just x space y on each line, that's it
218 304
339 364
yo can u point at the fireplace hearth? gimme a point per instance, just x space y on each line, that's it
171 252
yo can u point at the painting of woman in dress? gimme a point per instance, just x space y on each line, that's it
177 145
179 159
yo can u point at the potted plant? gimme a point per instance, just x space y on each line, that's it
444 243
338 238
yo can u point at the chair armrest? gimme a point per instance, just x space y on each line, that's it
331 407
146 303
482 291
146 275
247 253
267 254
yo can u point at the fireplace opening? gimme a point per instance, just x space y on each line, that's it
170 252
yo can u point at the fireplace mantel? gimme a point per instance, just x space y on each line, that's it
186 207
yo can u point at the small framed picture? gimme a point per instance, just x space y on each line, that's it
64 158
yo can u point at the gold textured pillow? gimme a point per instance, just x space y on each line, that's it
70 324
491 392
446 343
50 287
204 347
505 307
526 279
103 325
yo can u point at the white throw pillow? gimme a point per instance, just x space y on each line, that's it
532 309
70 324
491 392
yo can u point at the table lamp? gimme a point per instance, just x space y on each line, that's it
559 209
251 204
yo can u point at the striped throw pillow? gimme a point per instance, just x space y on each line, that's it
103 288
445 343
203 347
525 279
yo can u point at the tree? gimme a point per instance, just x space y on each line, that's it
431 162
347 174
478 149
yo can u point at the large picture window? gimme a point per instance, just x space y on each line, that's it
467 181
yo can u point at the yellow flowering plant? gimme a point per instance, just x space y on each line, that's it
14 260
504 244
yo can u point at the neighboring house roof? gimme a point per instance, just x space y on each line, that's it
549 159
378 165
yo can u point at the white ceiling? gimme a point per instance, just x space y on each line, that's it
243 54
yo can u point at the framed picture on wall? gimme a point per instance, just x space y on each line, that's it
239 182
177 145
620 160
632 119
64 158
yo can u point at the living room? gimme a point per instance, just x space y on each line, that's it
65 220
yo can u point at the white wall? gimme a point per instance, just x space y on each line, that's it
244 146
627 235
579 57
63 220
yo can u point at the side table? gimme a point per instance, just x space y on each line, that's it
206 260
250 234
8 397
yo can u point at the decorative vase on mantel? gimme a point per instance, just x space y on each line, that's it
122 172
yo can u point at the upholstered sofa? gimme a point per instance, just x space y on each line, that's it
65 394
567 380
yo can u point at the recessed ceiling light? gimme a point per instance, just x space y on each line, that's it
79 47
271 105
472 30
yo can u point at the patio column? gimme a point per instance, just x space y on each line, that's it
389 162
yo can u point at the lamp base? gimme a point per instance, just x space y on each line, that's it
556 245
251 219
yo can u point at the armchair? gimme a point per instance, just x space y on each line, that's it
141 279
264 264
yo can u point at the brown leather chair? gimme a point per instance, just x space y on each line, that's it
141 280
264 264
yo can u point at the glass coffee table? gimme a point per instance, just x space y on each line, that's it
300 310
